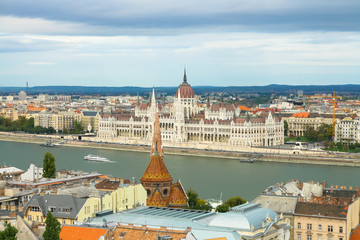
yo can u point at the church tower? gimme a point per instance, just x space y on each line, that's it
157 181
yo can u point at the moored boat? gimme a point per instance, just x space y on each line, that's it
50 144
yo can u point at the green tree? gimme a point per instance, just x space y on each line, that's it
78 128
286 128
193 197
9 233
201 204
339 145
325 132
52 229
196 203
223 208
311 134
49 166
235 201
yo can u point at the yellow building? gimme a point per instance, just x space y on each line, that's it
69 209
125 197
58 121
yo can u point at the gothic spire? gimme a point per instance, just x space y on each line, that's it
185 79
153 100
156 143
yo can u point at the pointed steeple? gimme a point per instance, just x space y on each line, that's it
156 142
185 79
153 100
156 170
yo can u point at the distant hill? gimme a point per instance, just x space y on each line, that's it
273 88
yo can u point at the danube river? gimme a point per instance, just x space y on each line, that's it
208 176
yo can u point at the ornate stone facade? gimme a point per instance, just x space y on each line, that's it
183 124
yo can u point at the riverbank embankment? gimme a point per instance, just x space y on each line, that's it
256 154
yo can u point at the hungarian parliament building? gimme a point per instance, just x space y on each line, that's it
184 123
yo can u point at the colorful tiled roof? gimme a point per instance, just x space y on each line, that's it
81 233
301 115
156 171
178 196
157 200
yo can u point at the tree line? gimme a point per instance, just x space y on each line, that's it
27 125
22 124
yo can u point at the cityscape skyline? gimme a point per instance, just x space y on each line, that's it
128 43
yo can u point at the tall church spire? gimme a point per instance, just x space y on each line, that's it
185 79
153 100
156 142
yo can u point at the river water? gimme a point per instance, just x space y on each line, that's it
208 176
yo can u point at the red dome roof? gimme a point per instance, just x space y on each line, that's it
186 91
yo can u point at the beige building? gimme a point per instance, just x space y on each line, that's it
325 218
299 122
11 113
90 120
59 121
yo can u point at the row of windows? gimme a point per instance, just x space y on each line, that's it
309 237
319 227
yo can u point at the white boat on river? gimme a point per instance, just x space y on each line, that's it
96 158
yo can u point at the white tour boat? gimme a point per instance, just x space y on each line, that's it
96 158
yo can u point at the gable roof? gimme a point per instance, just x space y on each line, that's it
324 210
81 233
60 202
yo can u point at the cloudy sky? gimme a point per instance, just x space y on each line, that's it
148 43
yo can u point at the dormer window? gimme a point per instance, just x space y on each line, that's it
52 209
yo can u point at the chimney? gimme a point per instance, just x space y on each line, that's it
336 186
324 184
357 188
350 188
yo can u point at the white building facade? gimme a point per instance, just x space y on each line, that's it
184 125
347 130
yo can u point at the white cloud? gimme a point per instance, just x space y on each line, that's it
40 63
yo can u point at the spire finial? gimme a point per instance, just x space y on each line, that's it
185 79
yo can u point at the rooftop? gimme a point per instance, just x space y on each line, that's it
81 233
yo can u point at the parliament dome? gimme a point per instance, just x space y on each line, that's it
185 90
